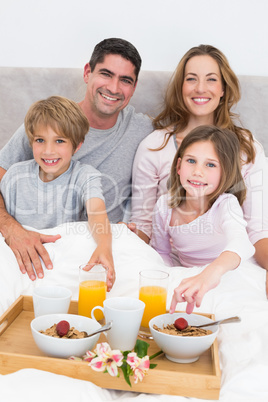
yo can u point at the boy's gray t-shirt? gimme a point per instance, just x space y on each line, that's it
110 151
42 205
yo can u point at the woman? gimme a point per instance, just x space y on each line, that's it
202 91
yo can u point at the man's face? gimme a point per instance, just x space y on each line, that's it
110 86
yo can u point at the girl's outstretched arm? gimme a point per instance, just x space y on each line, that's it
192 290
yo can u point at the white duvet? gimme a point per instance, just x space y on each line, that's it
243 347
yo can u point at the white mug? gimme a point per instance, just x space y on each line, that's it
51 300
126 314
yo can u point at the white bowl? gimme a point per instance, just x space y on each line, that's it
63 347
182 349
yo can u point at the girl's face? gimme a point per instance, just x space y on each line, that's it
52 153
202 87
199 169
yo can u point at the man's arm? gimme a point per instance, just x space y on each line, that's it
26 245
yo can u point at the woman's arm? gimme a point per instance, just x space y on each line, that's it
144 191
160 237
261 256
255 207
149 176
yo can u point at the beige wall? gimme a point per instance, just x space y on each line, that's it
62 33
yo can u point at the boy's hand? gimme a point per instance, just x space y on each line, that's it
103 256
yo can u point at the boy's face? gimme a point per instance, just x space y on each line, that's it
52 152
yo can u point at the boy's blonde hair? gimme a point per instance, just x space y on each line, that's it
63 115
227 147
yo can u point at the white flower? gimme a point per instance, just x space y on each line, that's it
106 359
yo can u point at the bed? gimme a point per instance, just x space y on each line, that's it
243 347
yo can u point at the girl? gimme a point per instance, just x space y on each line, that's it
201 214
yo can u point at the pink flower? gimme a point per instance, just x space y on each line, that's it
106 359
89 356
78 359
139 366
133 360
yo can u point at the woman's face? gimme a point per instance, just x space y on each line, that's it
202 88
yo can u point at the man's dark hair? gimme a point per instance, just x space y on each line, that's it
119 47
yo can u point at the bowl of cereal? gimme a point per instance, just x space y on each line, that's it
64 335
178 338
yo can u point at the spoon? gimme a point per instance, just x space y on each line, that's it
105 327
225 321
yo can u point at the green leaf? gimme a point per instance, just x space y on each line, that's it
126 372
152 366
156 354
126 353
141 348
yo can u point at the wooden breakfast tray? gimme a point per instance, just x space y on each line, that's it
200 379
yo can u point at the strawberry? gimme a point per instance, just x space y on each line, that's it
62 328
180 324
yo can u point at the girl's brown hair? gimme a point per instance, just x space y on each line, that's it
227 148
175 115
63 115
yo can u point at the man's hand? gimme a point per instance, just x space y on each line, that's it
28 249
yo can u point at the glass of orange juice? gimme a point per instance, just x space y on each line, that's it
153 286
92 290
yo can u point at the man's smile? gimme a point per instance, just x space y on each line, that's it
110 97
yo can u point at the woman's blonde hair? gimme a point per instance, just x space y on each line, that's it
175 115
63 115
227 147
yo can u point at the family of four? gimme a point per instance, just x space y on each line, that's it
188 172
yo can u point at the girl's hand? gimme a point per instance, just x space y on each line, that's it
103 256
192 290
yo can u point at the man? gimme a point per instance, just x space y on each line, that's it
115 133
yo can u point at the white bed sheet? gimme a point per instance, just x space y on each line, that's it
243 347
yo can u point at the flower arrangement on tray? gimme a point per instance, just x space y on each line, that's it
106 360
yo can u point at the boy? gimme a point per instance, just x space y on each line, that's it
51 188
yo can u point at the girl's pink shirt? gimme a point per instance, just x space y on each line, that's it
221 228
151 171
